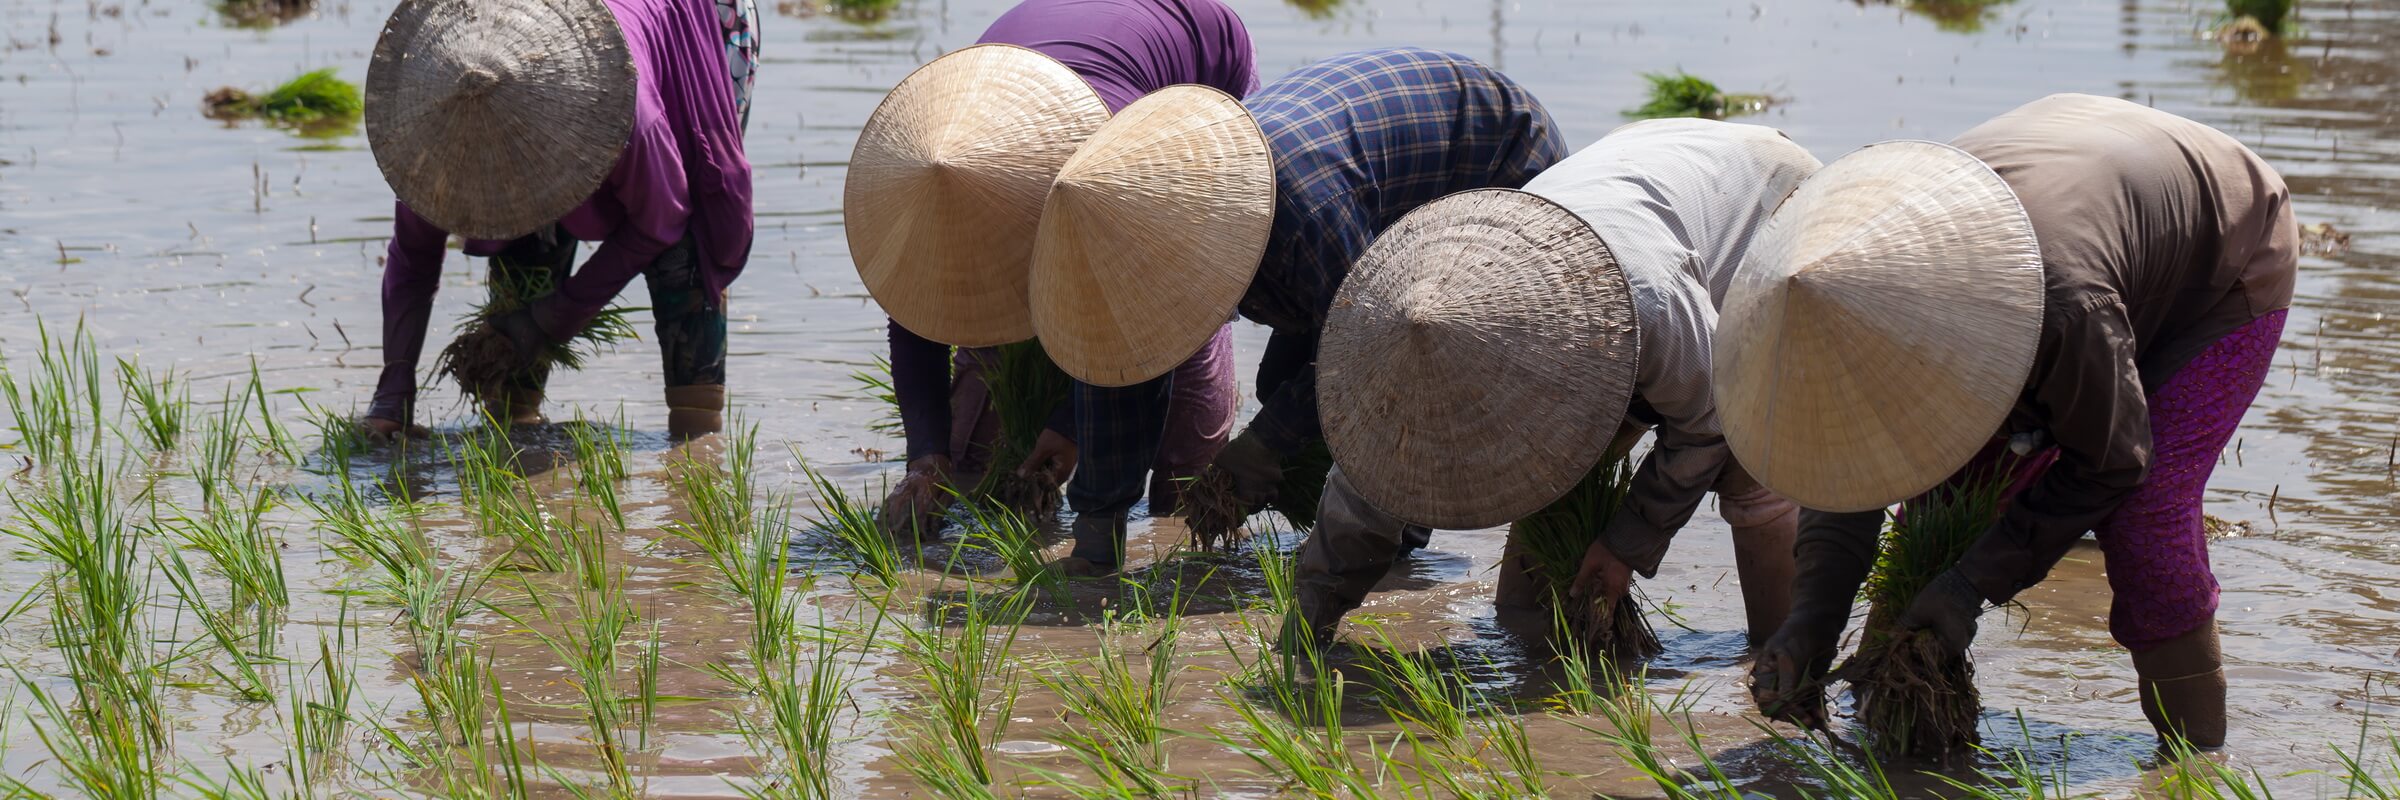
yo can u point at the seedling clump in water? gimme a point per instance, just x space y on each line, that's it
481 359
316 99
1915 697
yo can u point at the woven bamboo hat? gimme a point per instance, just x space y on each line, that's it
946 187
492 118
1881 327
1151 235
1477 360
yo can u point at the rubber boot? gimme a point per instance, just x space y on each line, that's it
519 407
695 411
1764 530
2183 688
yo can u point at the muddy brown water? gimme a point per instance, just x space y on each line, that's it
202 246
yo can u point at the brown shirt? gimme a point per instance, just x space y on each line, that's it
2158 235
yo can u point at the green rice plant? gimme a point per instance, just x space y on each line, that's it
234 537
1680 94
875 382
1124 732
505 507
160 403
99 590
473 751
600 464
314 97
1422 689
1026 389
970 683
1555 540
1914 696
320 709
482 360
1580 691
855 534
60 398
1298 735
340 439
249 651
277 439
2017 777
801 701
1631 718
725 523
93 753
590 642
1012 538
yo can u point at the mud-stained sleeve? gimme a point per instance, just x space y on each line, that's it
1682 465
2088 392
412 272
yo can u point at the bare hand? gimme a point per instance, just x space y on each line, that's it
916 505
1602 574
1052 459
378 429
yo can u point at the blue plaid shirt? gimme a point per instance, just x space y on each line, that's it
1359 140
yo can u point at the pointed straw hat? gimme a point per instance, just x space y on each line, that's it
1151 235
492 118
1881 327
946 187
1477 360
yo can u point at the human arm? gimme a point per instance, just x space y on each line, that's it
1673 380
648 184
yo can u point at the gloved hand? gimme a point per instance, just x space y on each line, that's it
1602 574
1256 471
1052 459
379 429
1831 556
1948 606
1787 679
525 336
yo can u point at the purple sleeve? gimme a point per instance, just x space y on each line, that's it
649 182
412 271
921 383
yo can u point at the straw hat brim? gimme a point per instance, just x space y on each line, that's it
1881 327
1151 235
946 187
1477 360
493 118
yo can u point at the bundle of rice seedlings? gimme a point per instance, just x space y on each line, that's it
1215 517
1914 697
2270 14
312 98
1681 94
481 359
1557 537
1025 389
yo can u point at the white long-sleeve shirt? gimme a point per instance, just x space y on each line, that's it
1677 202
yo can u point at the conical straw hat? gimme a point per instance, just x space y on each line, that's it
946 188
1880 329
1477 361
493 118
1151 236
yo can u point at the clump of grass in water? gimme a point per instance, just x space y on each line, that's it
1124 709
60 398
1025 388
1215 518
481 359
316 97
1557 537
1914 697
1681 94
968 678
160 403
855 533
600 464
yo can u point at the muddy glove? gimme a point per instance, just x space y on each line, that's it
1948 606
1255 471
916 506
1831 556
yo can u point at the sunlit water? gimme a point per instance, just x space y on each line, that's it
202 246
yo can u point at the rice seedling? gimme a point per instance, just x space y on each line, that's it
1914 696
970 684
1123 709
1580 692
505 508
278 440
801 703
159 402
852 527
474 751
99 592
1215 517
1680 94
589 641
600 464
1420 688
482 360
1026 388
725 521
1556 538
94 751
875 382
1298 737
313 97
234 538
1631 718
1012 538
340 439
59 398
250 652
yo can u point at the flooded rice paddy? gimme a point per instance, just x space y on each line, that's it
205 248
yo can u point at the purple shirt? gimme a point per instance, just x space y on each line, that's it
682 173
1124 49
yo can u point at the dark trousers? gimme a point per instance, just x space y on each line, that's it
691 324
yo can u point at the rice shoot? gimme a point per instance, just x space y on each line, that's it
1026 388
481 359
1682 94
315 98
1557 537
1914 697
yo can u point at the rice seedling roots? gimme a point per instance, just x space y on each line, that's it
481 361
1033 498
1212 512
1915 697
1614 628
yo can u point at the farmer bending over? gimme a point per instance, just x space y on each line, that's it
940 209
1189 206
529 126
2087 287
1496 346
